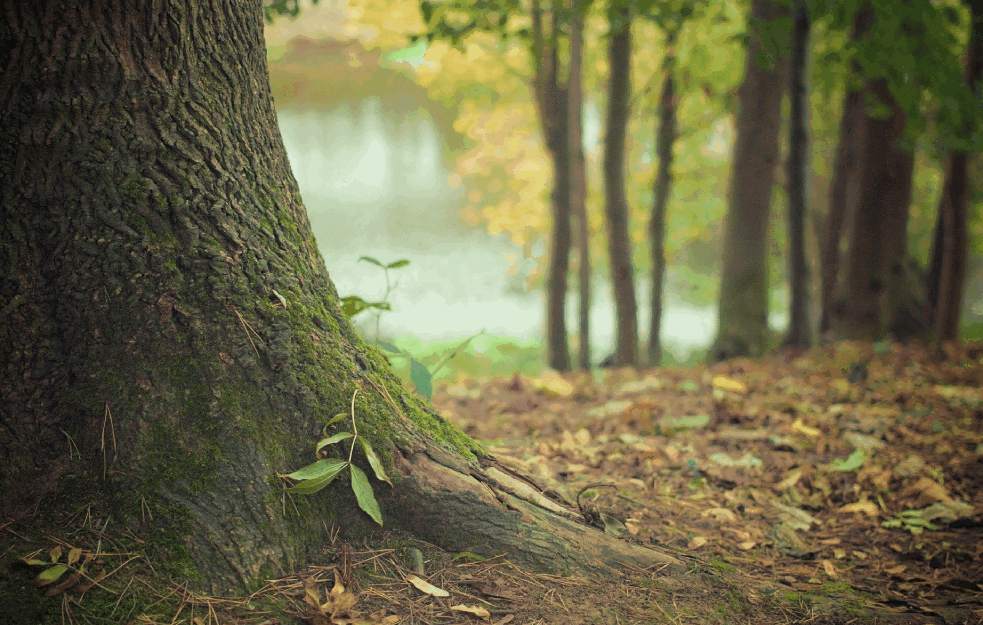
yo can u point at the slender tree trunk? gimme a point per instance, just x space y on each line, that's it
551 99
875 281
743 304
947 270
843 191
170 337
661 190
615 202
578 179
799 328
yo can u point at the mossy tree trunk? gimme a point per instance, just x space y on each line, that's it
743 302
170 337
616 208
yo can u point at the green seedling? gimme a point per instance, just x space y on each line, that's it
422 377
319 474
352 305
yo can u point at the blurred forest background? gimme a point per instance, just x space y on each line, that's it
441 132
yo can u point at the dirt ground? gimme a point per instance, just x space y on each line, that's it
844 485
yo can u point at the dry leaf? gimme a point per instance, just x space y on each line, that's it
728 384
867 507
471 609
427 587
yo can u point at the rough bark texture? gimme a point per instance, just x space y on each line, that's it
743 306
947 269
578 183
615 202
876 280
551 100
799 332
661 190
170 337
844 186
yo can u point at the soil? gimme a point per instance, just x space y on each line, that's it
842 485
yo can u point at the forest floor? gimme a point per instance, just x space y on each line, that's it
842 485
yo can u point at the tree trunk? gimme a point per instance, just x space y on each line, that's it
170 335
578 179
661 190
551 99
844 187
799 328
876 279
615 202
743 304
947 271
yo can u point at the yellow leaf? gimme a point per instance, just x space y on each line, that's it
727 384
799 426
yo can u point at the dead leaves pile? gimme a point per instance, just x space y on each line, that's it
852 463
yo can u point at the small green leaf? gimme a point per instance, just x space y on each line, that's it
325 466
852 463
335 419
364 495
351 305
421 378
377 468
312 485
369 259
35 561
397 264
49 575
331 440
389 347
309 487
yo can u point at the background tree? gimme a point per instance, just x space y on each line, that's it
844 185
163 292
615 202
578 178
947 268
876 263
799 332
743 304
667 129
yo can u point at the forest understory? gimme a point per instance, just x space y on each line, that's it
840 485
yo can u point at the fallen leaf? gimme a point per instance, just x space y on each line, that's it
471 609
427 587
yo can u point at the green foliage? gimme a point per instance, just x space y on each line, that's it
317 475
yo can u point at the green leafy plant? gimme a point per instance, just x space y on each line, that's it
422 377
352 305
76 563
319 474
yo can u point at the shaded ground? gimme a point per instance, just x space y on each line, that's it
836 487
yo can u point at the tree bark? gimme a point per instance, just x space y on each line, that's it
661 190
743 304
947 269
170 337
875 287
615 202
799 332
578 180
844 186
551 100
